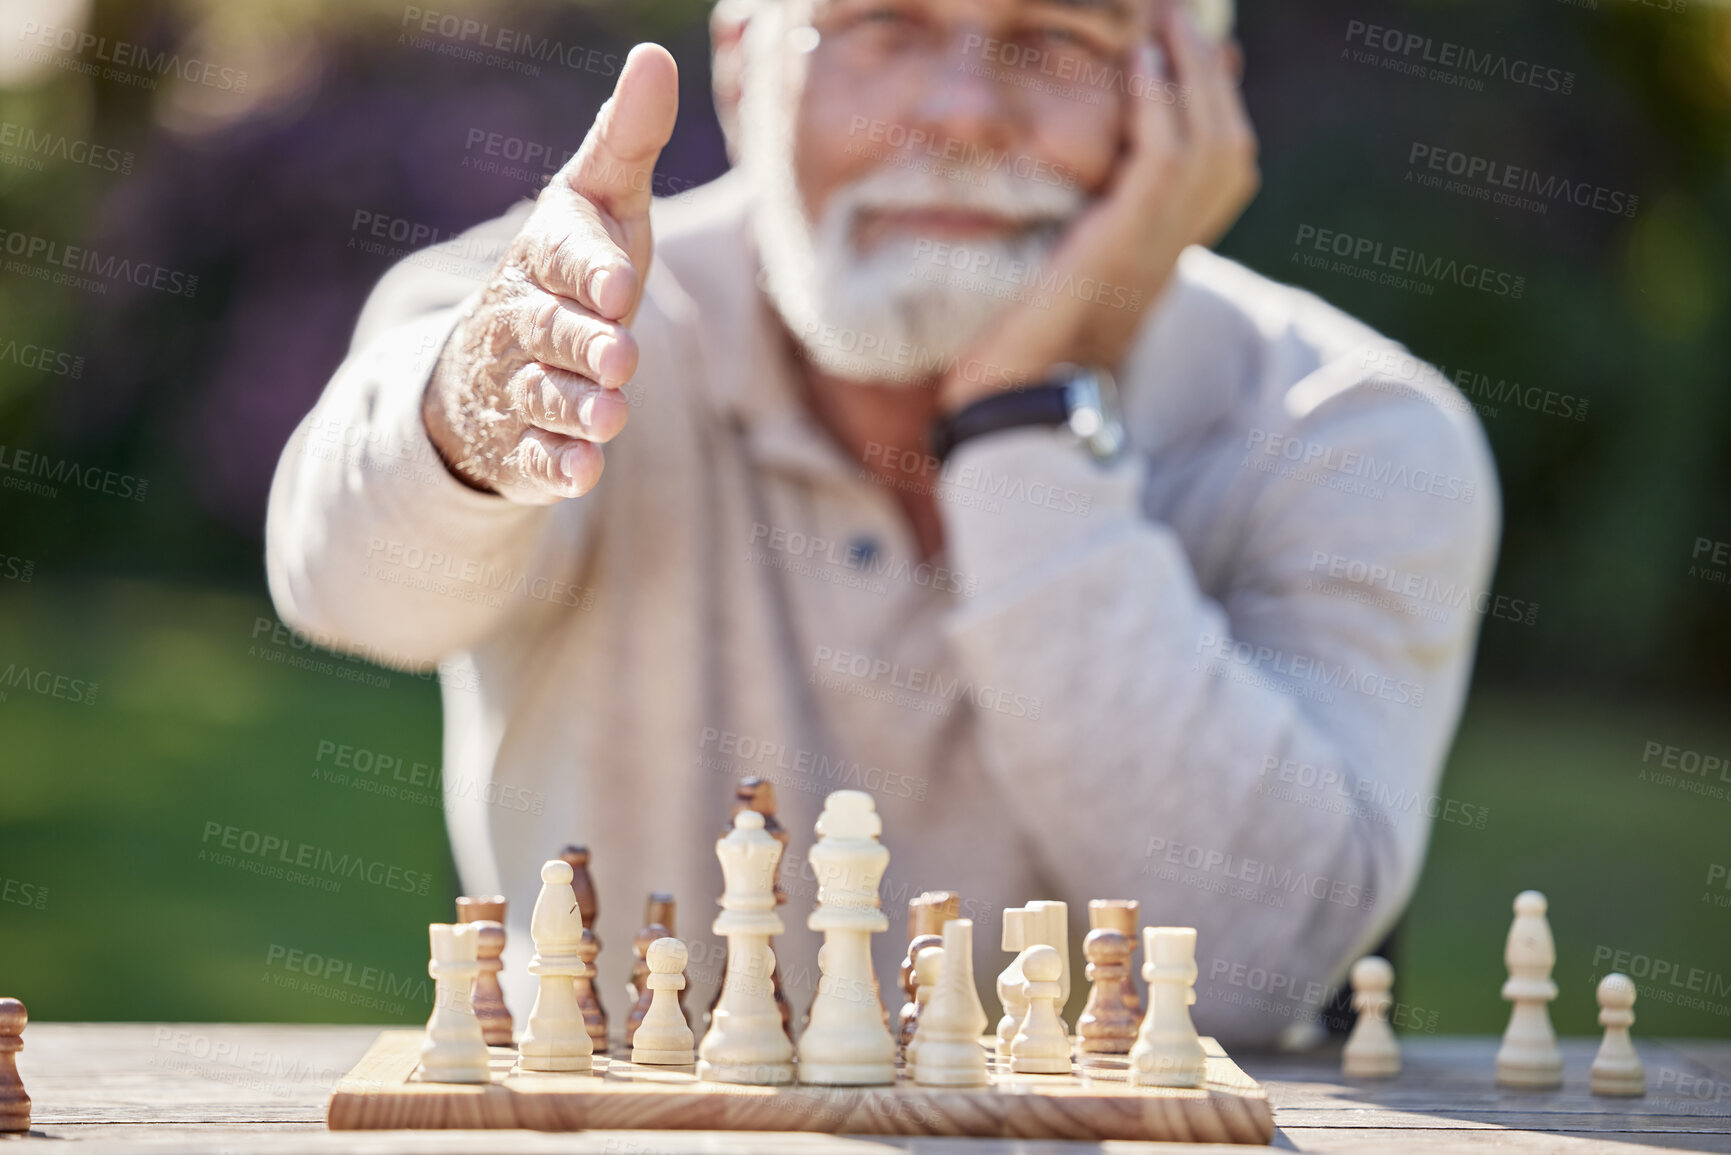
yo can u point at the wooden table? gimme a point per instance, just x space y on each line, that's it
208 1087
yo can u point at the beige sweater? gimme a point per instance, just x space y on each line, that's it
1220 678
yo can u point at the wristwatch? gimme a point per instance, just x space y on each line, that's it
1082 400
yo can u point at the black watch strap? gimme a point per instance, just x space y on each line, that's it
1035 405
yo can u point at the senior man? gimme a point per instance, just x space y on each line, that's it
880 520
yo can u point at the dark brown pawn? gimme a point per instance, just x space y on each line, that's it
14 1103
1123 915
759 794
1107 1026
910 1016
594 1018
640 976
488 915
583 887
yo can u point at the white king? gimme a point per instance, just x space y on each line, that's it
846 1042
745 1042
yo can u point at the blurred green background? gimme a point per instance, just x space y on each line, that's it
175 705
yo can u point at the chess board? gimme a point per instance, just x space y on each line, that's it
1096 1102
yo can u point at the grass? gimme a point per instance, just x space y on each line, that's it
203 729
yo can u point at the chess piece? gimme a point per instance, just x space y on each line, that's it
454 1050
1371 1051
746 1041
556 1037
1018 921
949 1053
1168 1051
759 794
14 1102
640 972
1529 1056
1051 927
1617 1068
910 1011
927 968
488 915
1042 1045
928 912
664 1038
583 890
588 1001
1123 915
847 1042
1107 1027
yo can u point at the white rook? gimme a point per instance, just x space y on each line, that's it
1168 1051
454 1051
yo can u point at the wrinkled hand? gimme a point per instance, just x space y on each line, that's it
528 388
1188 171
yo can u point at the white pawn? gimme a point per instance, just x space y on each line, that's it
846 1042
950 1026
555 1038
1529 1056
1371 1050
1051 926
1168 1051
1617 1068
1042 1045
1018 922
745 1042
927 975
455 1051
663 1038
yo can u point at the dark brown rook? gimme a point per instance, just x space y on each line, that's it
14 1103
594 1018
928 912
1123 915
640 977
910 1016
1106 1025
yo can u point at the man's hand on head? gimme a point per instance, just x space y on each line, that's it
1188 171
529 386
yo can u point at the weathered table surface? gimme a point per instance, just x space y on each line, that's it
208 1087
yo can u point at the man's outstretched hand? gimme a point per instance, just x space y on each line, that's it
528 387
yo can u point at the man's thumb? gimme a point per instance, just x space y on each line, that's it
615 166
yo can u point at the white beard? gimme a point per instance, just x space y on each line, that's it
870 316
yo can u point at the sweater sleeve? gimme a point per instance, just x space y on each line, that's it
1260 764
372 546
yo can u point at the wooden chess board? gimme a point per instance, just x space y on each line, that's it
1096 1102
